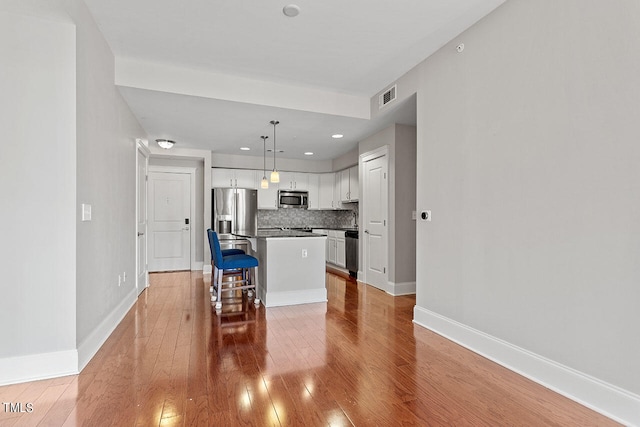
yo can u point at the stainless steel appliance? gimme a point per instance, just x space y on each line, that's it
351 243
234 211
293 199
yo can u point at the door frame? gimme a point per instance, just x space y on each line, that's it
141 150
363 248
193 265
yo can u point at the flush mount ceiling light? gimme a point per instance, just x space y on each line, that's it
308 153
245 148
337 136
165 143
291 10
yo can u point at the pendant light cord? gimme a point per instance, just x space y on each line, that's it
274 123
264 156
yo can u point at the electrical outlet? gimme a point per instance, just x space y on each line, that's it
304 253
124 277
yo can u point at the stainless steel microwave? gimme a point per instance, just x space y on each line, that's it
293 199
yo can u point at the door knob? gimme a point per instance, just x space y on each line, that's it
140 234
366 231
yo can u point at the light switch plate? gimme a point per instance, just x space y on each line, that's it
86 212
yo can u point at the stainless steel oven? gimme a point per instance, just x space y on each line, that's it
293 199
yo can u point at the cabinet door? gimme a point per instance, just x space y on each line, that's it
354 184
301 181
341 250
268 198
245 178
344 185
314 191
222 178
337 200
325 191
287 181
332 257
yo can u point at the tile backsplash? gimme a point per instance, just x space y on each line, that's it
298 218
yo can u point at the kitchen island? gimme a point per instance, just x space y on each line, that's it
291 266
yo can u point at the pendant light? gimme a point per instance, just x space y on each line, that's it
264 184
275 176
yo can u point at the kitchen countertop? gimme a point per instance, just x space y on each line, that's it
275 233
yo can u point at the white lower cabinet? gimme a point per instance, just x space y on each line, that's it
341 249
335 247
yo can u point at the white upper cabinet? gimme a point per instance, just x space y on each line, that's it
349 190
246 178
354 184
325 191
314 190
294 181
239 178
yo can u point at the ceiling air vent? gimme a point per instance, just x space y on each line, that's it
387 96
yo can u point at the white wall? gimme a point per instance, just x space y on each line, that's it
38 210
528 157
405 203
106 134
347 160
257 162
401 141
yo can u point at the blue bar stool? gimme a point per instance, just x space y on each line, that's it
225 252
236 264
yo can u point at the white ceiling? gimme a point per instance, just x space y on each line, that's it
354 48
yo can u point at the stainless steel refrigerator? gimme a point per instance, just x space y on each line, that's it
234 211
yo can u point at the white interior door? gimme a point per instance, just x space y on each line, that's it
169 221
375 234
142 276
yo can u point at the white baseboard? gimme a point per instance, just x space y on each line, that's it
404 288
197 266
609 400
307 296
90 346
35 367
206 269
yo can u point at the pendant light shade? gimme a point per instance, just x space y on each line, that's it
275 176
264 184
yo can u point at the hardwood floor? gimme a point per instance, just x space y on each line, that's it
356 360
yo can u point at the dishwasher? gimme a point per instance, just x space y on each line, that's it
351 243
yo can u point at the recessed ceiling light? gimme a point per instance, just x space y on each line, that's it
245 148
308 153
165 143
337 136
291 10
